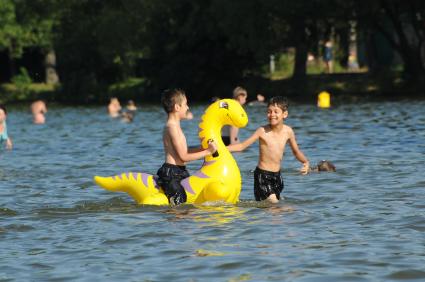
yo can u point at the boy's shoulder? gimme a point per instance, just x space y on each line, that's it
267 128
287 127
263 128
288 130
173 127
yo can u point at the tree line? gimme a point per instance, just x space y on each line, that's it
202 46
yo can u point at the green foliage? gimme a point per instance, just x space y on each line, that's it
25 24
95 46
9 92
132 88
206 47
11 33
22 82
285 65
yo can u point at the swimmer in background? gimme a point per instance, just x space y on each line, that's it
323 166
38 109
258 102
230 133
127 117
114 107
131 106
4 137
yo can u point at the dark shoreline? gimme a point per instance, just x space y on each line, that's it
343 87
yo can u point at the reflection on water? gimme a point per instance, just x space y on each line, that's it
365 222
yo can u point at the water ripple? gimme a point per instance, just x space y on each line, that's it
363 223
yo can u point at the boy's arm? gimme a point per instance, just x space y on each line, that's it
194 149
298 153
199 149
233 134
182 150
243 145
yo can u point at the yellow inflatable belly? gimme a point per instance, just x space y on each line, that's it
218 179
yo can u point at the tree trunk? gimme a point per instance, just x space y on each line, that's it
410 53
12 63
50 65
301 49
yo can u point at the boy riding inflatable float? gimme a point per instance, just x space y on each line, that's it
218 179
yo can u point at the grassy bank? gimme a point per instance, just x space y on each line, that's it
11 93
348 86
343 86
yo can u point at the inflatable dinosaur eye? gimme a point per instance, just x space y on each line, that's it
224 105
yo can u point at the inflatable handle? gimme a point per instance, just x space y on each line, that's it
215 154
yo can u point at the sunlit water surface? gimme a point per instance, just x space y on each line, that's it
366 222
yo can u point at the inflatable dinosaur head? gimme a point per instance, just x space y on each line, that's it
220 113
229 112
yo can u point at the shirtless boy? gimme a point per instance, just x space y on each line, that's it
176 151
268 182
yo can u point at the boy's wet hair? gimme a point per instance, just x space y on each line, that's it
238 91
2 107
325 166
171 97
279 101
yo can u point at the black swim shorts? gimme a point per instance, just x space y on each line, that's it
226 140
169 179
267 183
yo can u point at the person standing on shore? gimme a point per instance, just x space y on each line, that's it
328 57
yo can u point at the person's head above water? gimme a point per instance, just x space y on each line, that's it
325 166
260 98
240 94
127 117
131 106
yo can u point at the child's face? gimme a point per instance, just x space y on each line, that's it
2 116
275 115
183 108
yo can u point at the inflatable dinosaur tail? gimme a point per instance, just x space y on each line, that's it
140 186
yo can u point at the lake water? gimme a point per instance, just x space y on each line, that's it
365 222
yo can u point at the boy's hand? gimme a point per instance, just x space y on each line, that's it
212 146
306 168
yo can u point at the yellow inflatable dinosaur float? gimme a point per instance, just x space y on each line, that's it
219 178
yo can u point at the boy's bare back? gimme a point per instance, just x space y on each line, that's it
173 138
